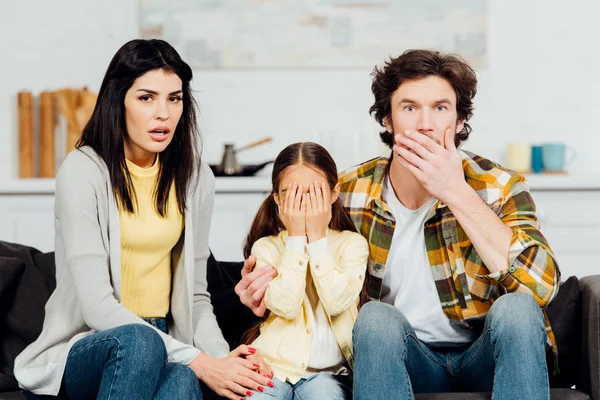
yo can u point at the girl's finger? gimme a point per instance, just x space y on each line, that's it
304 203
313 199
326 195
298 200
319 194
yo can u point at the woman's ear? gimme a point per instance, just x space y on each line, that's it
335 193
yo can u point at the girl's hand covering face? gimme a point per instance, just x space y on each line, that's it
318 210
292 211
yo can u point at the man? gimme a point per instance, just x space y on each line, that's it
458 265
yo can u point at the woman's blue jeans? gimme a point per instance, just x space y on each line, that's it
127 362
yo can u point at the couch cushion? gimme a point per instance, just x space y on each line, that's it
26 282
564 313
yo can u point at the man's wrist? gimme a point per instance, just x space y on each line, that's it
458 195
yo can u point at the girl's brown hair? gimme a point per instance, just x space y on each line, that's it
267 222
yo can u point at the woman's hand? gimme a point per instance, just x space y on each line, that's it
293 211
264 369
318 211
230 377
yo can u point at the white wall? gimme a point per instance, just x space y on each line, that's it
541 83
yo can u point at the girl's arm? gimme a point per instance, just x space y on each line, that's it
339 280
286 292
81 202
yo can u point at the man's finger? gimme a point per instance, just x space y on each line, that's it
260 310
249 264
449 140
259 295
411 158
411 168
248 279
411 144
425 141
269 273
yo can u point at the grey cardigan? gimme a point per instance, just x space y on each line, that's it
88 275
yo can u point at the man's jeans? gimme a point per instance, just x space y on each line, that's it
127 362
508 358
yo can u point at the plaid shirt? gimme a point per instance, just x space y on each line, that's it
465 286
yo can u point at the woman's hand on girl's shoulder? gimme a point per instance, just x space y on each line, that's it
232 376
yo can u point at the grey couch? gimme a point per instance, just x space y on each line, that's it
575 317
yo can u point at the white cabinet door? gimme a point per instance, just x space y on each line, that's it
571 224
28 220
232 216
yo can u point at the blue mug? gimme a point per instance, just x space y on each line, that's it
554 156
537 164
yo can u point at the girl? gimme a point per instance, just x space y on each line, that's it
131 316
303 231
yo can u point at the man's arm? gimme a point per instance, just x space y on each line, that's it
510 244
489 235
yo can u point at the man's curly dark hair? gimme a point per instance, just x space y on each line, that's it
417 64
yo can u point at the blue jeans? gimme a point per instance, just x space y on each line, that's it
127 362
320 386
508 358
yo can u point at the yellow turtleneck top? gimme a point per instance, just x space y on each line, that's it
146 243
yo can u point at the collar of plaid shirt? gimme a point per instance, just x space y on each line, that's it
465 287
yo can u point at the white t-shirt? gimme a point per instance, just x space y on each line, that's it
408 282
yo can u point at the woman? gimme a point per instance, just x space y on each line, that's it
131 316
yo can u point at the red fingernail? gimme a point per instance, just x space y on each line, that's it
271 384
256 365
248 393
261 389
252 350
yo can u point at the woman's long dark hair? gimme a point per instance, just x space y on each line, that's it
106 130
267 222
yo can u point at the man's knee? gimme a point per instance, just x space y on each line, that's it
380 324
516 314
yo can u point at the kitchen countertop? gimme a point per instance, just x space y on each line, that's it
42 186
262 184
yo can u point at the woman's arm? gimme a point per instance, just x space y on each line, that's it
339 280
80 203
207 334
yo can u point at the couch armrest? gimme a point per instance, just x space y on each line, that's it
590 345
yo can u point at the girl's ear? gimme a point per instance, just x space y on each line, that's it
335 193
276 198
